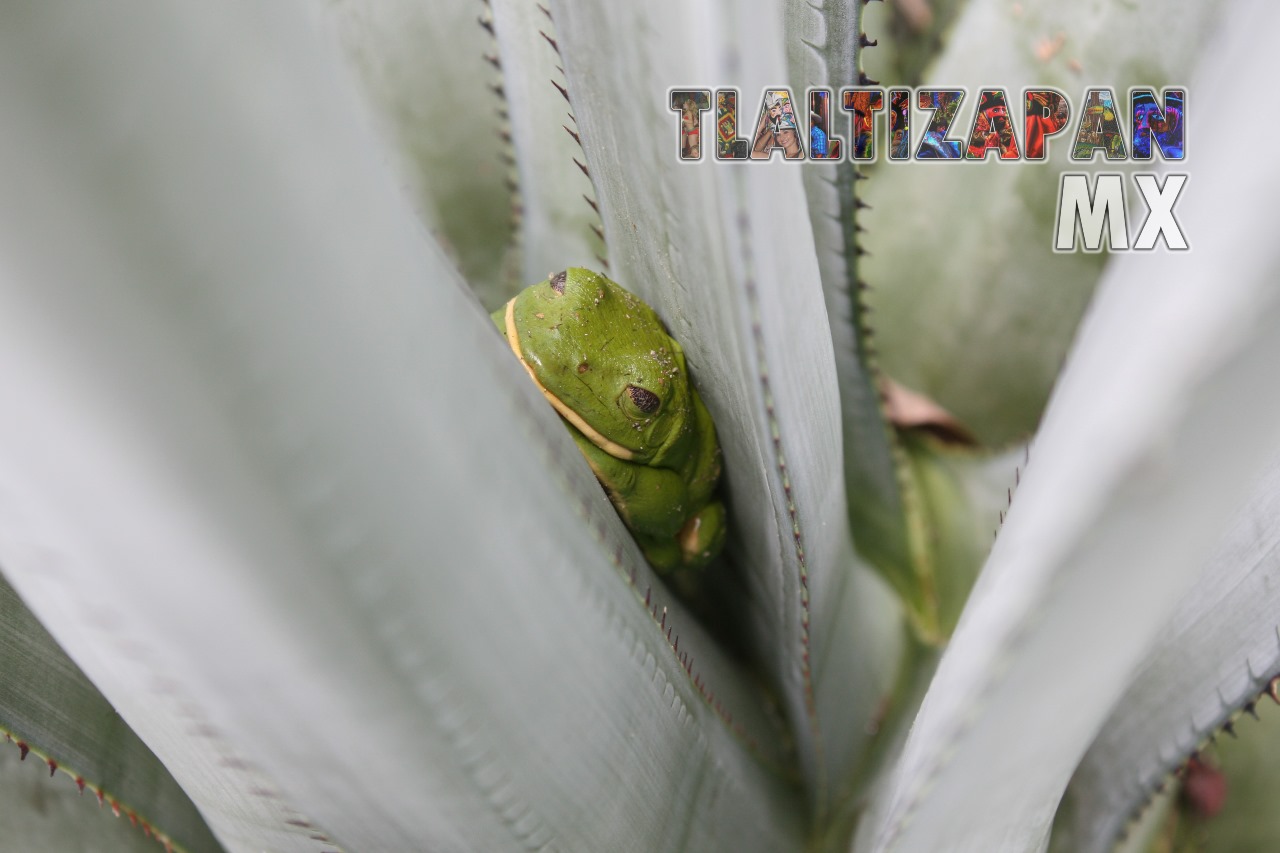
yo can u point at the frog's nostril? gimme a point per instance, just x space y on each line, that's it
557 282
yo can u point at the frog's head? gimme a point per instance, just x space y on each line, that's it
604 360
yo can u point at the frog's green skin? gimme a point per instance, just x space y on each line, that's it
604 360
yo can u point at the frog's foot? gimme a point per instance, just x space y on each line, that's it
696 544
662 554
702 536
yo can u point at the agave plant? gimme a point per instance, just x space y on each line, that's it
298 559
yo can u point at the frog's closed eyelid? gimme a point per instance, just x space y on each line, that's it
644 399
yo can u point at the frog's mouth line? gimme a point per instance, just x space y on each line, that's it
611 447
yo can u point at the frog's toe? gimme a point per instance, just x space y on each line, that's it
663 554
702 536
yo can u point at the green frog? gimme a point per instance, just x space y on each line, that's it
604 360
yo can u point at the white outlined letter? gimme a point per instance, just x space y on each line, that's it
1160 220
1105 206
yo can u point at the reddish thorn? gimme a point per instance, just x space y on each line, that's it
668 635
100 797
562 90
133 818
647 594
582 167
23 749
53 766
550 41
115 807
594 206
80 783
545 11
664 616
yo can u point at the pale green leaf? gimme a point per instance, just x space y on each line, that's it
822 50
47 706
1149 441
1216 654
556 218
962 494
1249 819
422 64
273 449
972 306
726 255
39 813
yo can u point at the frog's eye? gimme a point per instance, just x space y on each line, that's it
640 402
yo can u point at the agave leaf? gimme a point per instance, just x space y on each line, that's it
963 494
1248 819
972 306
57 720
556 196
1216 654
726 254
423 65
39 814
1150 834
276 473
823 50
1154 428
